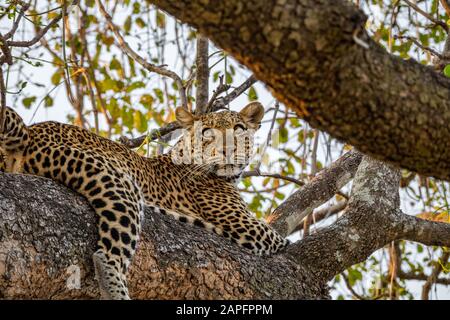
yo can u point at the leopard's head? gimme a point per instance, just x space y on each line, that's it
220 142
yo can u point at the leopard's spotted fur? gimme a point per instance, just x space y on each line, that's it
119 182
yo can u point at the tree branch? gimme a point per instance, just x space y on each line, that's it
202 75
320 189
440 23
424 231
223 101
392 109
41 32
48 234
433 277
367 224
154 135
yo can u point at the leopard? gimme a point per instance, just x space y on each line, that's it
192 186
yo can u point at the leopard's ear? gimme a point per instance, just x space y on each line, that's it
252 114
184 117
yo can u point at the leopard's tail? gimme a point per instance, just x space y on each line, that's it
188 219
15 135
268 242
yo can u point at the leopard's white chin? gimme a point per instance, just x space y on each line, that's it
228 170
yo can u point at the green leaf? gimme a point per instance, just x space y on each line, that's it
56 77
128 117
48 101
246 182
228 78
160 19
419 248
115 64
216 76
159 94
28 101
127 25
113 108
284 135
146 100
107 84
447 71
279 195
135 85
140 123
140 23
290 168
252 95
136 7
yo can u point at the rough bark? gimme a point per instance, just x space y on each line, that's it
318 60
323 187
367 224
46 228
202 75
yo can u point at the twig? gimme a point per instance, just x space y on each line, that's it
269 135
41 32
2 100
426 15
350 288
6 57
314 153
154 134
420 277
202 75
255 173
222 102
92 98
434 275
221 88
394 263
124 46
446 6
417 43
24 8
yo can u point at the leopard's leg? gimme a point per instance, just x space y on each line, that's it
2 161
116 199
14 139
119 205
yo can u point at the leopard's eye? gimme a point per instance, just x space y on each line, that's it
207 132
239 128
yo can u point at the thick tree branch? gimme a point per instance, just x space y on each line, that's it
424 231
48 232
368 223
286 218
320 62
